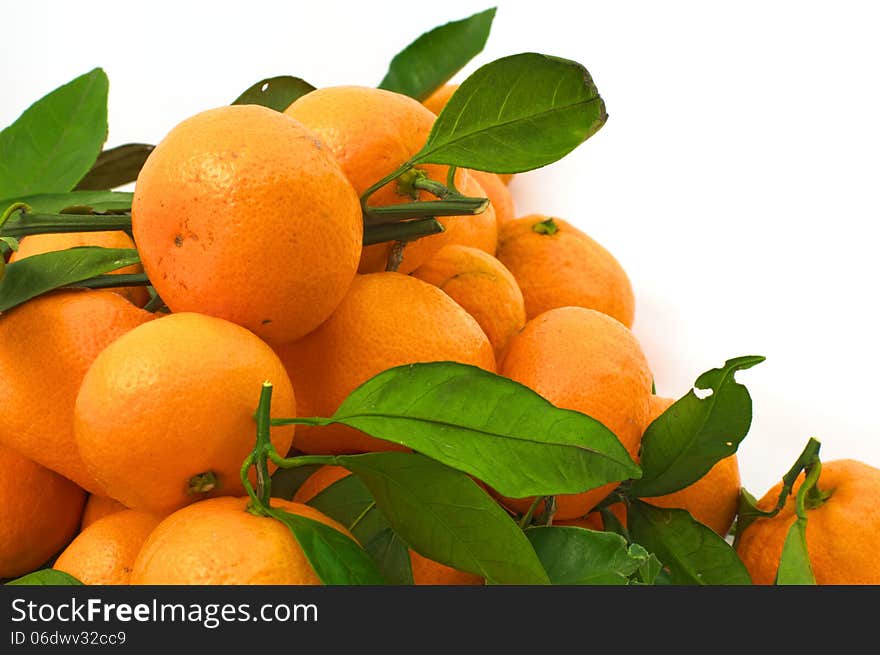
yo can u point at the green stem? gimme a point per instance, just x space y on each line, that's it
300 420
301 460
9 211
264 442
385 180
405 231
26 224
155 304
361 516
435 188
374 216
527 517
111 281
450 178
810 496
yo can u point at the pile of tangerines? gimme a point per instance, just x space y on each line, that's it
123 431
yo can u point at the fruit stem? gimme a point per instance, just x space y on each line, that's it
450 178
385 180
111 281
460 206
749 512
549 510
527 517
395 257
14 207
405 231
155 304
301 460
202 483
809 495
27 223
264 442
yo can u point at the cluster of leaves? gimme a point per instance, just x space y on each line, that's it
465 423
461 423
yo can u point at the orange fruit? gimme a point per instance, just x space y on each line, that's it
842 533
594 520
372 132
241 213
48 344
39 513
97 507
479 283
583 360
385 320
712 500
165 414
322 478
557 265
104 553
37 244
218 541
437 101
498 194
425 571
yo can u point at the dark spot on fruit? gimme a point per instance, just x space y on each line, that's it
266 321
178 240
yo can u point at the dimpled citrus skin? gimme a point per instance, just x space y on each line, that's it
584 360
425 571
566 268
37 244
48 344
97 507
842 534
173 399
241 213
713 499
372 132
385 320
104 553
218 542
498 193
479 283
39 512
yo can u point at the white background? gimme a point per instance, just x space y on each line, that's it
736 179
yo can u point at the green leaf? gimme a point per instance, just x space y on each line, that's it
276 93
650 567
432 59
444 515
35 275
349 502
516 114
286 482
95 202
56 140
794 565
336 558
690 437
489 426
46 578
577 556
693 553
116 166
